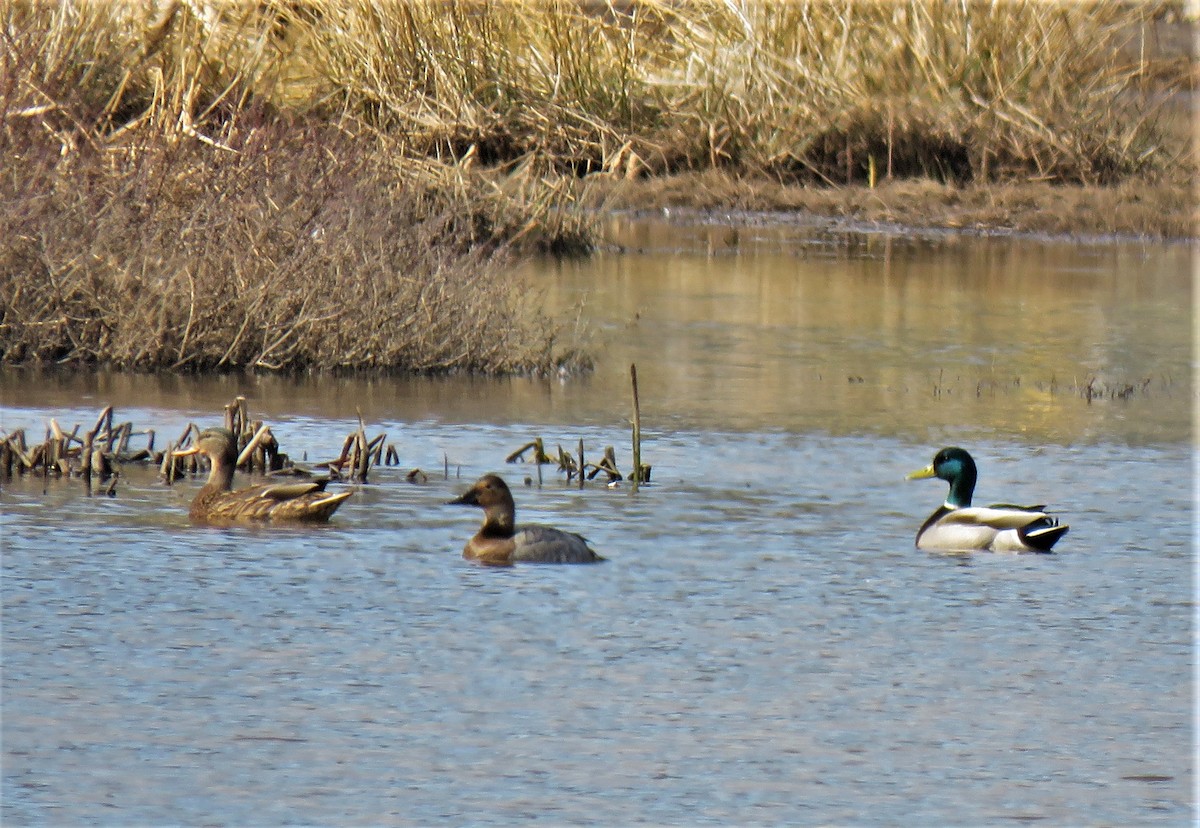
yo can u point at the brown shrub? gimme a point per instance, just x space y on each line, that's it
299 247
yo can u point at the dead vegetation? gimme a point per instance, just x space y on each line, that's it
576 467
292 185
102 454
306 249
809 90
103 451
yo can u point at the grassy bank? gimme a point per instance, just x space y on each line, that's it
809 90
308 248
293 185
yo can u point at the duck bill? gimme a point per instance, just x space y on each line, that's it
470 498
922 474
187 452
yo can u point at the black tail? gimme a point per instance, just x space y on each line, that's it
1044 533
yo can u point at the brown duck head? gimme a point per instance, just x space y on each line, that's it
220 447
491 494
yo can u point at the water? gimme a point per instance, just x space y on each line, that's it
764 644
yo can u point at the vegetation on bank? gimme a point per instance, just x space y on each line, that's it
306 249
292 185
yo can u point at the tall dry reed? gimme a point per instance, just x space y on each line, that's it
810 89
822 90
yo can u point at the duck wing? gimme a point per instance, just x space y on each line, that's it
304 502
289 491
1001 529
545 544
996 517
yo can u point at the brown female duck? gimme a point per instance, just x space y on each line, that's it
217 503
500 543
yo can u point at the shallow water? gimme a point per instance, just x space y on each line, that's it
764 645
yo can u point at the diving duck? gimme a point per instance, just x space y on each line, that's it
957 525
500 543
287 502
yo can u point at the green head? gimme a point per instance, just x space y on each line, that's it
956 467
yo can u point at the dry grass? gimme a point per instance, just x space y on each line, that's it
292 185
306 249
808 90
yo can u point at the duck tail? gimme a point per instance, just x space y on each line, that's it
326 506
1043 534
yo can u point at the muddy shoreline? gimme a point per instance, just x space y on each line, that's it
1137 211
826 224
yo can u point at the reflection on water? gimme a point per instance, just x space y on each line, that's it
940 340
900 336
764 645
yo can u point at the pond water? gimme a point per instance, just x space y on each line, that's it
764 644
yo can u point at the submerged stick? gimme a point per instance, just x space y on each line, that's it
237 415
109 435
96 429
124 432
581 462
166 470
364 449
85 460
637 430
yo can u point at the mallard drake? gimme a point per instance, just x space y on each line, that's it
957 525
500 543
217 503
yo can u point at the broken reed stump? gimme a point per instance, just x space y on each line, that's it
539 453
6 460
359 454
608 465
575 466
66 454
237 415
567 464
261 451
637 430
171 467
100 451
